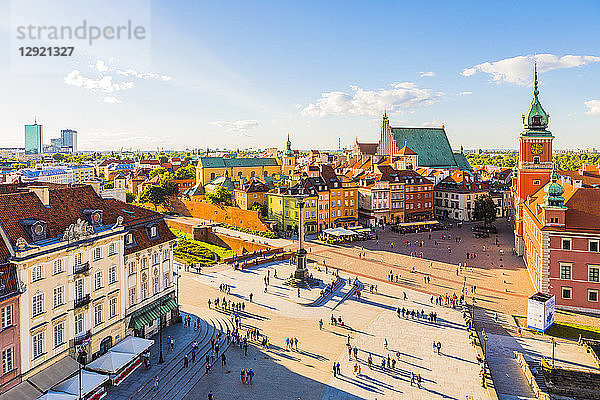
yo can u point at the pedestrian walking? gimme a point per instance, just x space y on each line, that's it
210 396
156 381
334 369
223 359
185 361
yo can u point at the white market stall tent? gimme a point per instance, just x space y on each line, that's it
52 395
91 385
122 359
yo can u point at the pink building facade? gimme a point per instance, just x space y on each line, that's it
10 354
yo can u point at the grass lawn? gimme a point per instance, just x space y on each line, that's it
222 252
564 330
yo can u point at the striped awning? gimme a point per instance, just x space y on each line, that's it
150 313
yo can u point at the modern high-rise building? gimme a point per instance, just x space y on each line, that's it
33 139
69 139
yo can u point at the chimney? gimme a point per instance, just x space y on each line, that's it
43 192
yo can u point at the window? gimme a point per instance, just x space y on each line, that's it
111 249
536 182
37 273
37 304
59 296
594 274
58 267
78 259
566 244
132 268
79 323
144 290
79 289
144 263
165 255
567 292
8 357
112 308
565 271
593 295
155 285
7 316
98 315
98 280
112 274
38 345
153 231
97 253
129 238
593 246
167 280
59 333
155 259
131 297
536 160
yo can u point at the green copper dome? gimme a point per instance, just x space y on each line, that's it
536 120
554 192
288 148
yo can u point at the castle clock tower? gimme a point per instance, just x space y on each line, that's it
535 164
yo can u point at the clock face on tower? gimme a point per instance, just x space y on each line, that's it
536 149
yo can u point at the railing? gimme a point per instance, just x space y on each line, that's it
530 377
81 268
81 302
79 339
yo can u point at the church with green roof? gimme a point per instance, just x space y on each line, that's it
431 145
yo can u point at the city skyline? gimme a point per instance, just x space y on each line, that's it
251 81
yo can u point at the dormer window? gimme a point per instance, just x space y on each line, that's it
36 229
129 239
153 231
93 217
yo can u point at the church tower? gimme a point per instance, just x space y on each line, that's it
387 142
289 159
534 166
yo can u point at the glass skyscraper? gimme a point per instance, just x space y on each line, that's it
33 139
69 139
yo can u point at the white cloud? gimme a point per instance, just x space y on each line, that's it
593 107
103 83
240 127
111 100
426 74
359 101
519 69
431 124
465 93
109 79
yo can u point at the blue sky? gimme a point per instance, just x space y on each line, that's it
245 74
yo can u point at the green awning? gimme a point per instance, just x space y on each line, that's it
152 312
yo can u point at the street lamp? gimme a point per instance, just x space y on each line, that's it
553 347
160 318
485 338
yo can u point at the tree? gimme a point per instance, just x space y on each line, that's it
163 159
219 196
260 207
109 185
166 182
188 172
58 157
485 209
156 171
154 195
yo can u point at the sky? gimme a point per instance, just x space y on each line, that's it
241 74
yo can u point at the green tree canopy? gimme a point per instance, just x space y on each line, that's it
156 171
188 172
219 196
485 209
154 195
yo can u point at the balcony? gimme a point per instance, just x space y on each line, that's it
79 339
81 302
81 268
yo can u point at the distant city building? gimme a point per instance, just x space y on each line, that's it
69 139
33 139
62 174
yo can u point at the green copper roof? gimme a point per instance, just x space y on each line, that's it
431 144
462 162
288 148
220 162
536 120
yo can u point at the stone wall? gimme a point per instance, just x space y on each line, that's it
235 216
